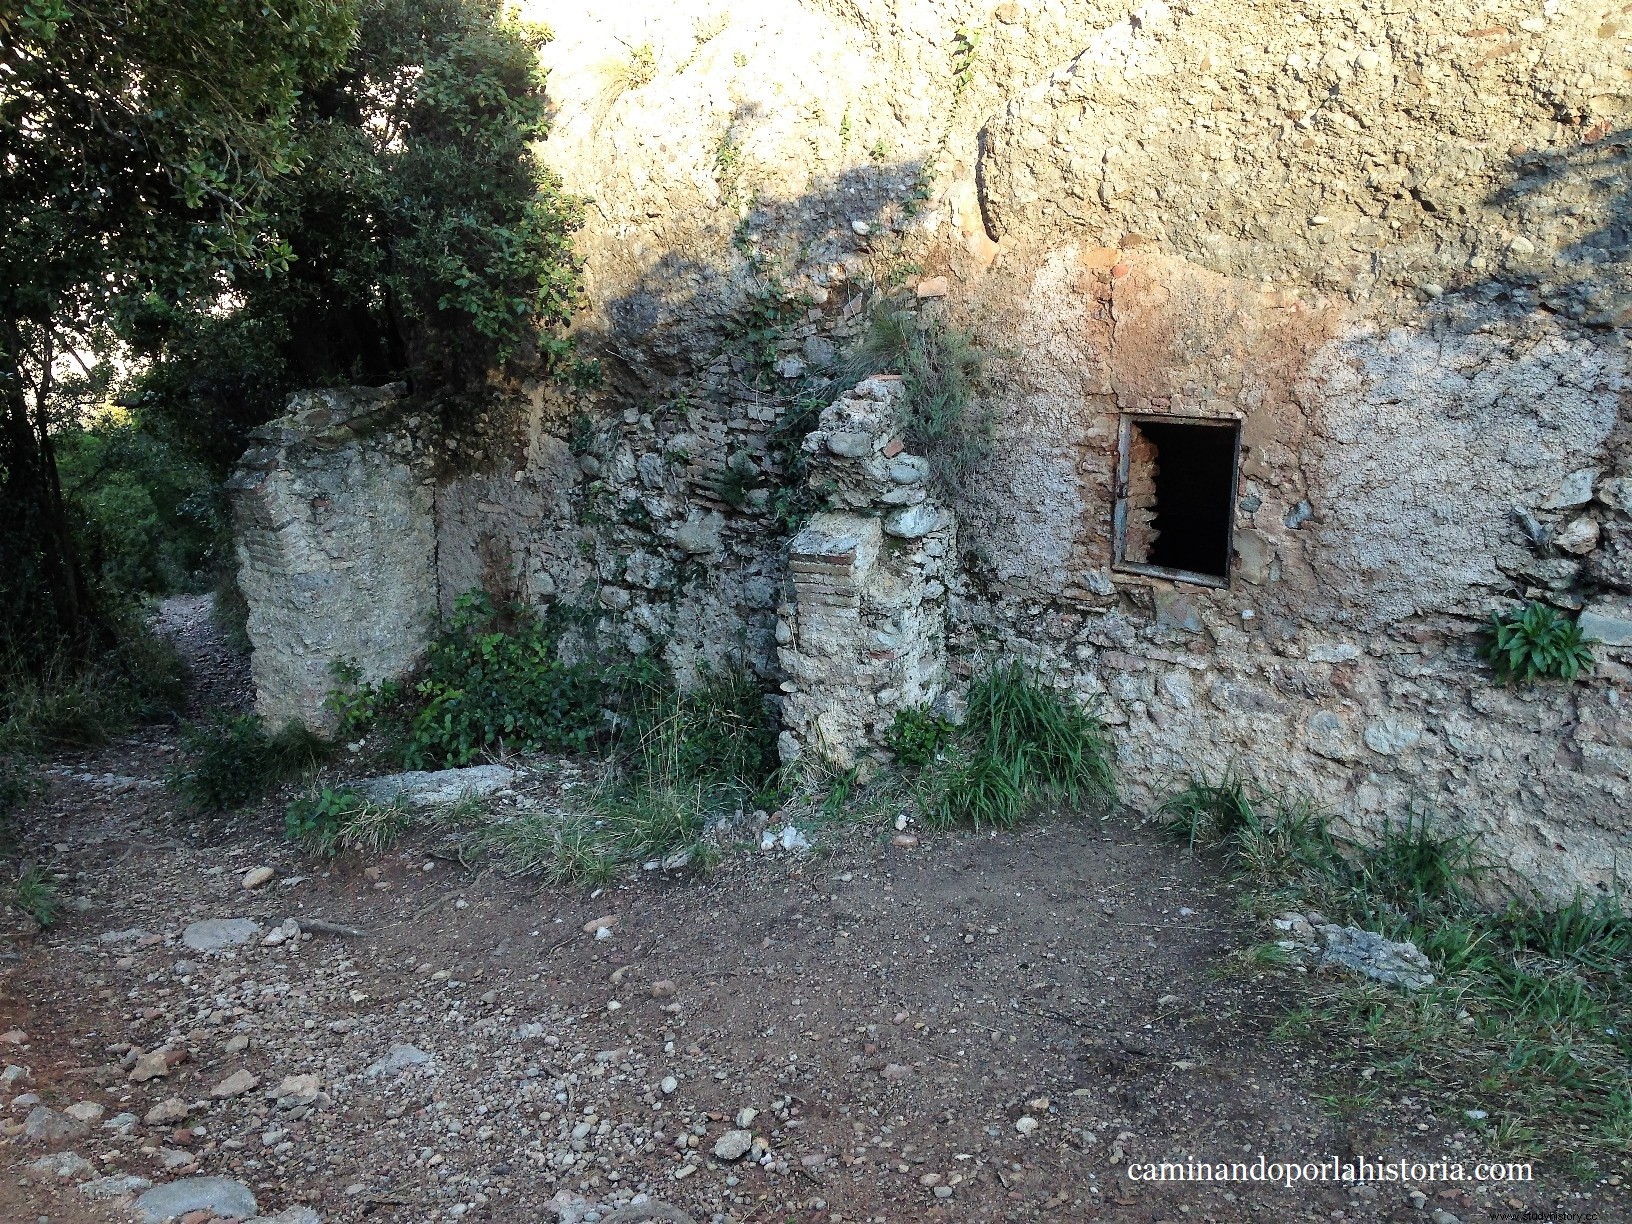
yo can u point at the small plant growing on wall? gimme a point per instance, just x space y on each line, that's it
1537 643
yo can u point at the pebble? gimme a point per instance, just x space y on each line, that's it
1026 1125
895 1072
257 876
904 841
733 1145
596 925
669 1085
85 1111
172 1110
236 1084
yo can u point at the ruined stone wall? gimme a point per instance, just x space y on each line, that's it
1390 241
334 509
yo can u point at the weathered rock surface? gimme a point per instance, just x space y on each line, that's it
436 788
222 1195
218 934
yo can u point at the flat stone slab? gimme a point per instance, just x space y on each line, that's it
398 1059
1368 953
216 934
117 1186
439 788
222 1195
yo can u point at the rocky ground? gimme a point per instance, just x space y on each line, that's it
977 1027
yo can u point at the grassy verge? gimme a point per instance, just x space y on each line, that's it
682 761
1526 1035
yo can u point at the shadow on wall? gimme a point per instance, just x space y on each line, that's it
1589 279
677 312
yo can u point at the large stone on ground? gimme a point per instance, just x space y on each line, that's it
216 934
46 1125
1368 953
222 1195
63 1165
439 788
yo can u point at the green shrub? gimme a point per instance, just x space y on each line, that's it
35 895
490 680
232 759
917 736
1021 745
1537 643
327 822
356 703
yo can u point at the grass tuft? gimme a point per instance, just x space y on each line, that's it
232 760
35 895
1530 1019
329 822
1021 745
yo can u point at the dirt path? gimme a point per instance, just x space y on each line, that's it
898 1019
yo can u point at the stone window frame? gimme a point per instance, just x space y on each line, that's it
1127 422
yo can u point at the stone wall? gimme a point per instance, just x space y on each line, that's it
336 548
863 630
1390 242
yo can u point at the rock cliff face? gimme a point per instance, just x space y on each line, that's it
1382 247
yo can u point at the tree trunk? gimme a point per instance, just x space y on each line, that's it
45 604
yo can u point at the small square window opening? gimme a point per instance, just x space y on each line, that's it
1175 497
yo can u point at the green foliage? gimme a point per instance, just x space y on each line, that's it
35 895
941 369
755 331
917 736
146 519
426 239
490 680
64 702
232 759
356 703
328 822
1537 643
140 144
1021 745
1529 1017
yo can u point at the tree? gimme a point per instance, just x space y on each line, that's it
139 142
426 241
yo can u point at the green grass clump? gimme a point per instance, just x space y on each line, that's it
1538 643
1530 1018
327 822
941 370
63 702
35 895
1021 745
233 759
683 758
